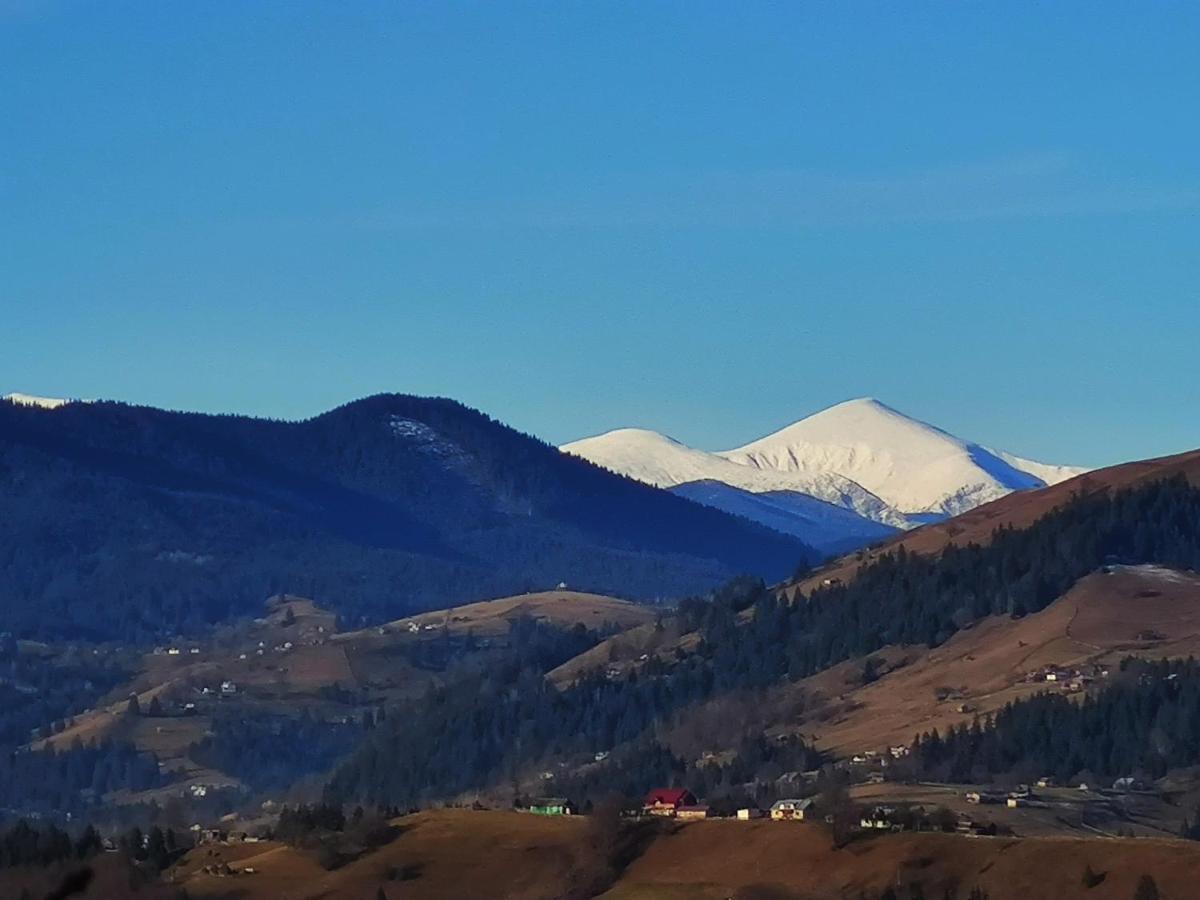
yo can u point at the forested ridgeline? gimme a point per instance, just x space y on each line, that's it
466 737
131 523
56 782
912 599
1143 724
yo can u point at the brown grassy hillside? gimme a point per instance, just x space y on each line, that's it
463 854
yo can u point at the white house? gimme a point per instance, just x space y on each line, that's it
792 809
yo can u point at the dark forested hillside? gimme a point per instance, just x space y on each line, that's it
466 737
124 521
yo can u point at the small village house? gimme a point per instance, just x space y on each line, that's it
879 819
798 810
552 806
695 811
666 801
746 813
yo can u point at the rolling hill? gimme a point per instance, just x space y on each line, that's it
124 521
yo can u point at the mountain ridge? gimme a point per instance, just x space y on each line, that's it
135 519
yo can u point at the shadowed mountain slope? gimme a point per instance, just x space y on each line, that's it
124 521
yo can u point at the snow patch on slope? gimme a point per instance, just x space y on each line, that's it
31 400
1050 474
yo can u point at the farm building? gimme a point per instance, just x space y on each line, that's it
666 801
880 819
552 806
697 811
792 809
746 813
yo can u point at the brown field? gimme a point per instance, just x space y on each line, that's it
111 881
1018 510
489 618
464 854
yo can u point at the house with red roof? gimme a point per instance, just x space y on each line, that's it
667 801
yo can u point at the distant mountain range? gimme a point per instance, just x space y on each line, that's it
126 521
843 477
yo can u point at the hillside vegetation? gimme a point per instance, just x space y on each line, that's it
747 638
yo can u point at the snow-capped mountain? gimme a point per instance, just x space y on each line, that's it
910 465
664 462
861 455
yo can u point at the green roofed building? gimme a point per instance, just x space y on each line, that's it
552 806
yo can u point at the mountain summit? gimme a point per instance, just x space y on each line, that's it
914 467
861 455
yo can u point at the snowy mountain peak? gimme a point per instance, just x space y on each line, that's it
913 466
862 455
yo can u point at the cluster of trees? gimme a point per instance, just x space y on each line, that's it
325 828
1146 722
387 506
464 736
272 752
23 844
42 690
51 782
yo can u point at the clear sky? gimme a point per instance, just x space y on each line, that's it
709 219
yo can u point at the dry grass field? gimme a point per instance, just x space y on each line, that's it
463 854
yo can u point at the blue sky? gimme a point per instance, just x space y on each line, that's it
709 219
